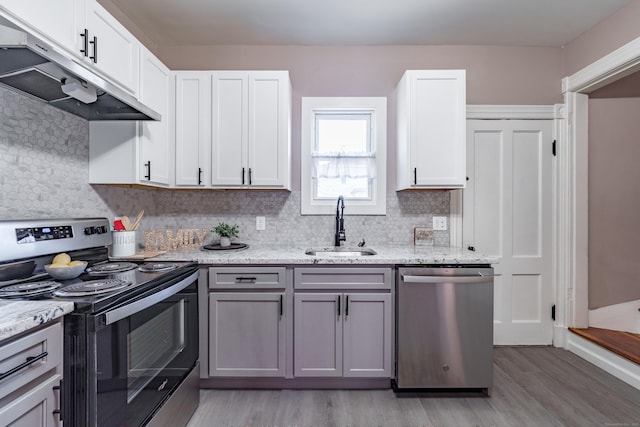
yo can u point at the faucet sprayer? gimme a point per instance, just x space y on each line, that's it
340 235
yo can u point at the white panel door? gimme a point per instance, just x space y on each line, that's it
507 214
229 131
156 137
115 51
193 128
268 128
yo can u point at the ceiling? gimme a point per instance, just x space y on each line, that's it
366 22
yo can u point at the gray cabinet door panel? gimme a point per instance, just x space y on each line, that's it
247 277
367 335
247 334
317 335
343 278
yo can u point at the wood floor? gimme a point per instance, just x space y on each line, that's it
533 386
622 343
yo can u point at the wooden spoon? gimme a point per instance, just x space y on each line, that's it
136 221
126 222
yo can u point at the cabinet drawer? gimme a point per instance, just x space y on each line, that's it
37 353
342 278
247 277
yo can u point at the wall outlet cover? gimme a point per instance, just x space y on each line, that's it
261 223
440 223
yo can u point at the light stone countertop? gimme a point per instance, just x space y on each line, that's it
21 315
281 255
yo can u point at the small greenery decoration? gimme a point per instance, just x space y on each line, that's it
225 230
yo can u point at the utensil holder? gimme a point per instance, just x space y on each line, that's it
124 243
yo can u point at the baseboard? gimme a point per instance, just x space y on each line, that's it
610 362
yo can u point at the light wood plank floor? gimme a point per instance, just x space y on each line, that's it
533 386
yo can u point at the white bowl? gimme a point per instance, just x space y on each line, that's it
65 273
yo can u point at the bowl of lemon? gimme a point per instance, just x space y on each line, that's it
63 268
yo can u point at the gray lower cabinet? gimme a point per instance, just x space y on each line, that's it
246 334
247 321
343 334
30 388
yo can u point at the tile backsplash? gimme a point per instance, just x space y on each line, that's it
44 173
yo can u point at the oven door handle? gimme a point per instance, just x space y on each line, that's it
137 306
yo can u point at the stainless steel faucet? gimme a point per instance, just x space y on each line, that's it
340 233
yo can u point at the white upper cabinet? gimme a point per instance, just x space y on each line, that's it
128 152
110 47
59 21
193 128
431 129
157 90
87 31
251 129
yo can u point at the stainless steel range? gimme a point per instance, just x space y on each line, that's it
131 344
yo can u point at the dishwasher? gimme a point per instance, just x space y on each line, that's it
444 328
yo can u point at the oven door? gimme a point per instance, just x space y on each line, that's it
143 352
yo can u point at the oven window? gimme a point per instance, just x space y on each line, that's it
152 346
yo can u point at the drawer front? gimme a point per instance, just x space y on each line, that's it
343 278
247 278
29 357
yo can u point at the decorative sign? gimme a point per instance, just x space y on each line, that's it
170 240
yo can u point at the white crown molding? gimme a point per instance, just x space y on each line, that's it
511 112
619 63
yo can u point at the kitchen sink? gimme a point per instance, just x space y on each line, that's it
341 252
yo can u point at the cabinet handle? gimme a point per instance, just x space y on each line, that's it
58 412
85 42
280 305
30 361
242 176
199 176
338 305
148 166
241 279
415 176
249 176
94 42
346 305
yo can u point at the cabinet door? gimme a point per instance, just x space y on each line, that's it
34 408
246 334
431 129
268 127
193 128
116 51
367 335
59 21
229 131
317 335
156 137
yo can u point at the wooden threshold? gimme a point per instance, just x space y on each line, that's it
623 344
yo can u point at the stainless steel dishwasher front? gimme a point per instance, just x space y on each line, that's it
444 328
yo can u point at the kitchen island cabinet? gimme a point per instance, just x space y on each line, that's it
431 129
343 334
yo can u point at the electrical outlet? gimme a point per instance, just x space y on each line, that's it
261 223
440 223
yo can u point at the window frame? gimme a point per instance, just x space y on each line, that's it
377 108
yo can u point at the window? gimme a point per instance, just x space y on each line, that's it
344 154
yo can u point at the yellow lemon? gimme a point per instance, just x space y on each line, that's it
58 265
62 258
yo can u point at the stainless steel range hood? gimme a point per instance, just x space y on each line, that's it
32 67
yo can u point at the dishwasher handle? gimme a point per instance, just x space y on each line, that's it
446 279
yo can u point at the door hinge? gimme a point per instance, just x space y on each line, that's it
553 312
553 147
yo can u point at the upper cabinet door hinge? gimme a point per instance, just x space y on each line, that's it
553 147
